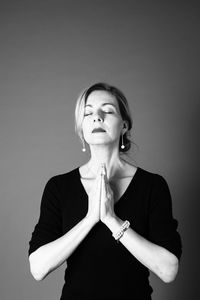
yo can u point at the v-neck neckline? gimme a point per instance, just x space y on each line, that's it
133 179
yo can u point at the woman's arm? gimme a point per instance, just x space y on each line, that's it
50 256
157 259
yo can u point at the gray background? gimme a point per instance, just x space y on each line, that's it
50 51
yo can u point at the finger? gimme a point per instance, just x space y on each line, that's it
103 169
98 184
103 179
99 173
104 186
98 177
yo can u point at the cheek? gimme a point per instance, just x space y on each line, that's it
117 126
85 122
85 127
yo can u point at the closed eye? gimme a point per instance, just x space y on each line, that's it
105 112
108 112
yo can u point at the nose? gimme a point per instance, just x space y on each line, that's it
98 117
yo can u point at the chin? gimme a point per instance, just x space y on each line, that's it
98 140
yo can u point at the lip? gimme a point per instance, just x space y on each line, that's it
98 130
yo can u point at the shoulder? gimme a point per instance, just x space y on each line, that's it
151 178
131 169
63 178
158 189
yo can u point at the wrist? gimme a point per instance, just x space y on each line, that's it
90 220
113 223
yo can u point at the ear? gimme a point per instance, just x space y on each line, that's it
125 126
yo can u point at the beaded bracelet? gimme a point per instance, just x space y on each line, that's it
117 236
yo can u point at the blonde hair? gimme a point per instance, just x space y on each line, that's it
123 108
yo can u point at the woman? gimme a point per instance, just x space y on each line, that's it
109 220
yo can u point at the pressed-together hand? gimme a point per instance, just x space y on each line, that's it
101 200
94 199
107 197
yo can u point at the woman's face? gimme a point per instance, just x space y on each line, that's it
102 122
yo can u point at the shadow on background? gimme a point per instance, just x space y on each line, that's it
186 285
190 219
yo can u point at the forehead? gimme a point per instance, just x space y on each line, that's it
97 98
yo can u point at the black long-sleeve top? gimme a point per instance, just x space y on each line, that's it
101 268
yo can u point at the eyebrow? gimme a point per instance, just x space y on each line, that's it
106 103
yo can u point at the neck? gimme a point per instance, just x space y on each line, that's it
104 155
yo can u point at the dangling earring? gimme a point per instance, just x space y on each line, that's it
83 148
122 145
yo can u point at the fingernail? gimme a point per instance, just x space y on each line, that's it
103 170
